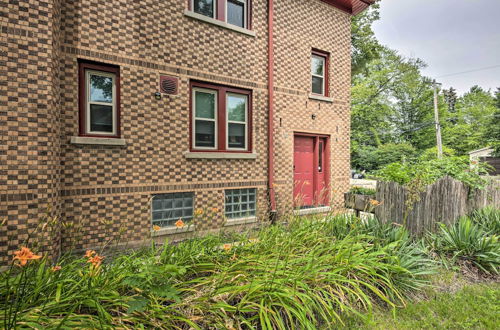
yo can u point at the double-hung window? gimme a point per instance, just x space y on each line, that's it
221 118
234 12
99 100
319 73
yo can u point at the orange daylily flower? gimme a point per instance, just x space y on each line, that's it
179 223
375 202
227 247
198 212
24 255
156 227
96 260
215 210
89 254
56 268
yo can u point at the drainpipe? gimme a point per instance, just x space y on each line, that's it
270 119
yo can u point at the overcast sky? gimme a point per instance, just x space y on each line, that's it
451 36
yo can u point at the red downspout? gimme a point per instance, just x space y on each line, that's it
270 119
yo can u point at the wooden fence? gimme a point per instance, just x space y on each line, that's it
444 201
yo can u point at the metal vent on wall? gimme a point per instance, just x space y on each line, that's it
169 85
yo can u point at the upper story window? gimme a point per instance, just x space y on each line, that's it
221 118
204 7
99 100
234 12
237 12
319 72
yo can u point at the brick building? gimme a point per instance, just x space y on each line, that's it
129 114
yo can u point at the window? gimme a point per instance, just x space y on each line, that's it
234 12
240 203
168 208
99 100
205 119
204 7
221 118
319 73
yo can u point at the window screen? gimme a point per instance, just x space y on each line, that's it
240 203
168 208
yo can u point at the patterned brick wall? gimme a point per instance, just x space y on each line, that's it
105 191
300 27
29 122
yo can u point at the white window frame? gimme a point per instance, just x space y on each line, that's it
323 59
236 122
245 13
88 130
216 126
214 9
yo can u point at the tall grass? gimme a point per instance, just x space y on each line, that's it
306 275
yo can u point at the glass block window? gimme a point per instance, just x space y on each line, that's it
168 208
240 203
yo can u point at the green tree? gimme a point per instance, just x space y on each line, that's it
365 46
472 122
492 131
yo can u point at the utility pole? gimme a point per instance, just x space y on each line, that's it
436 119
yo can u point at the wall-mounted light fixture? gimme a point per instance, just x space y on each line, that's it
158 96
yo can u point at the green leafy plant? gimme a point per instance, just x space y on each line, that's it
363 191
488 218
467 241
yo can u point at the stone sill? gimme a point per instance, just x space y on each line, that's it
241 221
314 210
173 230
97 141
220 155
320 98
224 25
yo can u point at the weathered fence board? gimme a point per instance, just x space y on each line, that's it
444 201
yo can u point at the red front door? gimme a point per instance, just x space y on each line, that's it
309 174
303 173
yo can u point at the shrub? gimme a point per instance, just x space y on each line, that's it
363 191
467 241
429 171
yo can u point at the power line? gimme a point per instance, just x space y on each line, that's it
469 71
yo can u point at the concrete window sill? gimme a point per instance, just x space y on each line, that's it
242 221
321 98
97 141
173 230
314 210
216 22
220 155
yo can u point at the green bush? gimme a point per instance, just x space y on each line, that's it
363 191
466 241
370 158
429 171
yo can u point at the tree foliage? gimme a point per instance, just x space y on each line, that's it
392 112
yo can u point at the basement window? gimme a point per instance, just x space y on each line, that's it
240 203
168 208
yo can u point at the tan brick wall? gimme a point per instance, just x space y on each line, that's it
29 116
105 188
300 27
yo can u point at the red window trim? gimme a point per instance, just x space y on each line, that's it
220 11
326 56
221 116
84 65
